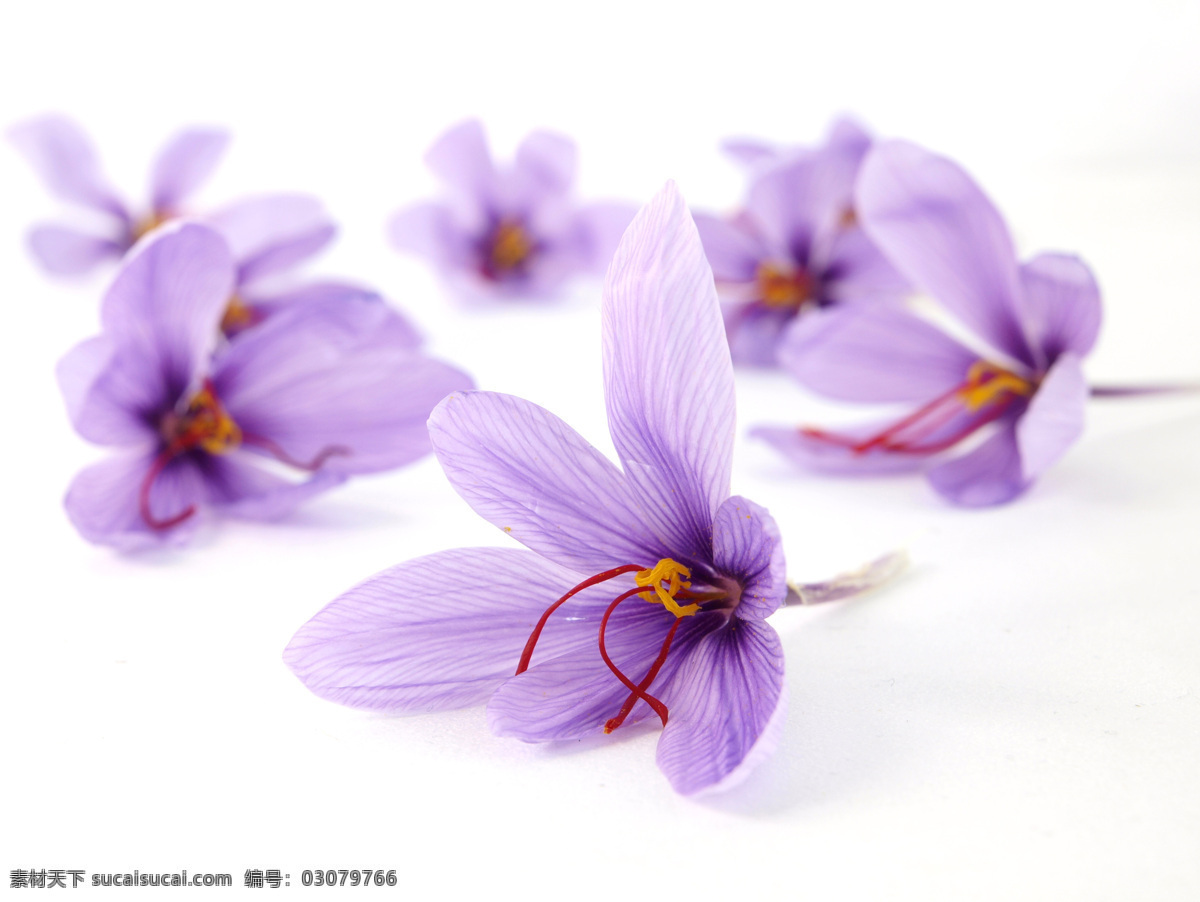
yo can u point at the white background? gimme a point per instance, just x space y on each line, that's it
1018 716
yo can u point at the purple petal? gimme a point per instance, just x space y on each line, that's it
400 331
991 474
431 231
103 501
727 708
604 224
941 231
812 453
64 159
67 252
1054 419
547 162
732 251
526 471
439 632
183 165
461 159
107 399
1061 304
164 307
239 487
754 333
574 695
668 376
746 546
873 353
319 377
273 233
751 152
858 271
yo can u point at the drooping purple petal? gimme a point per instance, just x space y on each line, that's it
573 695
68 252
546 162
63 157
526 471
990 474
441 631
273 233
733 252
873 354
668 375
746 546
164 307
326 383
726 706
239 487
1054 419
102 501
183 165
822 456
461 159
1061 305
943 233
107 399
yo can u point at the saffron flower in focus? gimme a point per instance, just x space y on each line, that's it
508 231
321 390
62 155
797 246
1023 384
644 590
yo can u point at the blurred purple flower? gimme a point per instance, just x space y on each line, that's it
512 232
796 247
664 529
329 389
1039 319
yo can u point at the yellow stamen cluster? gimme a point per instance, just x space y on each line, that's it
986 383
238 315
666 579
510 246
149 224
208 426
783 287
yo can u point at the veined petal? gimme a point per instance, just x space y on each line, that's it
726 703
873 353
239 487
273 233
461 159
1061 303
107 399
546 162
183 165
67 252
746 546
103 501
941 231
991 474
526 471
668 375
325 377
164 307
1054 419
63 157
441 631
732 251
574 694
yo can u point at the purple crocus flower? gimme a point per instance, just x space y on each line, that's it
512 232
62 155
796 247
1038 320
664 580
328 390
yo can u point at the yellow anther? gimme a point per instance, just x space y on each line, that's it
986 383
510 246
672 573
783 287
238 315
208 425
149 224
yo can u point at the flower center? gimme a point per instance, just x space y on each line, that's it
508 248
988 391
782 287
148 224
238 316
665 583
